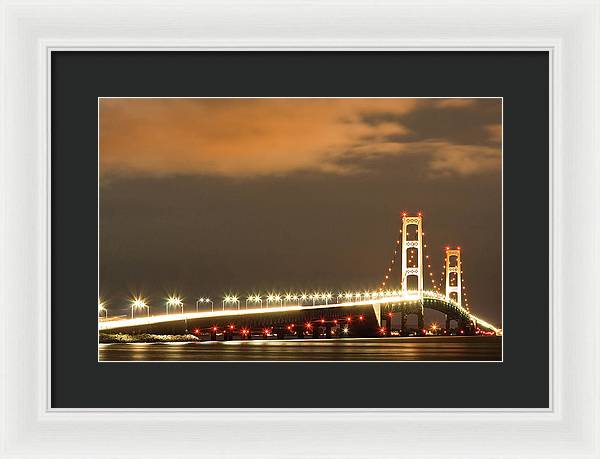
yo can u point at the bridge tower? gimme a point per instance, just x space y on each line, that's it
416 244
454 268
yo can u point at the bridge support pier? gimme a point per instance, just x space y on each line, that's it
300 333
403 329
280 334
388 327
315 333
421 322
328 331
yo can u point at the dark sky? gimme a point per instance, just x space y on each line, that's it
211 196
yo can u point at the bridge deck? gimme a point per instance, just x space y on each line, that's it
294 311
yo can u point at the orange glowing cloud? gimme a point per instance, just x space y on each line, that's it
254 137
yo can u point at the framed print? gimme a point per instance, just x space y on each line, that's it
265 183
300 227
202 197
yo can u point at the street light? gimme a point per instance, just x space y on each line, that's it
231 299
258 300
173 302
102 309
205 300
254 299
138 303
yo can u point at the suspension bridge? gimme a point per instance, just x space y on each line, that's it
301 315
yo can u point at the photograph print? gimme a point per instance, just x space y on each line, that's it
300 229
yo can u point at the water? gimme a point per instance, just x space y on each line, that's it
430 348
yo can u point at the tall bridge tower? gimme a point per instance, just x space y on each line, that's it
454 266
412 245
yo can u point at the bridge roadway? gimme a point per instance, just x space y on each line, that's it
362 318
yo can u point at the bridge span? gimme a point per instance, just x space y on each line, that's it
370 317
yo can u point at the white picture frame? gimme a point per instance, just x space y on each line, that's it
568 29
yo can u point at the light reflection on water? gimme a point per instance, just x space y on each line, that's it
488 348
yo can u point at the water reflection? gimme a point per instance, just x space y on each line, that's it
469 348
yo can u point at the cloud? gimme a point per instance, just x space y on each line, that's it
257 137
443 158
494 132
455 103
464 159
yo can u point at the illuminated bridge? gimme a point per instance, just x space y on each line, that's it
346 314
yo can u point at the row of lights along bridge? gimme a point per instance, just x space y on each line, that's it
176 303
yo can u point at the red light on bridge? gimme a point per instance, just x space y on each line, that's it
214 329
420 214
404 214
424 331
231 327
289 327
382 330
335 321
308 325
196 331
462 332
389 314
447 248
458 248
360 317
322 321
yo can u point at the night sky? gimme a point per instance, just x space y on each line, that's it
204 197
